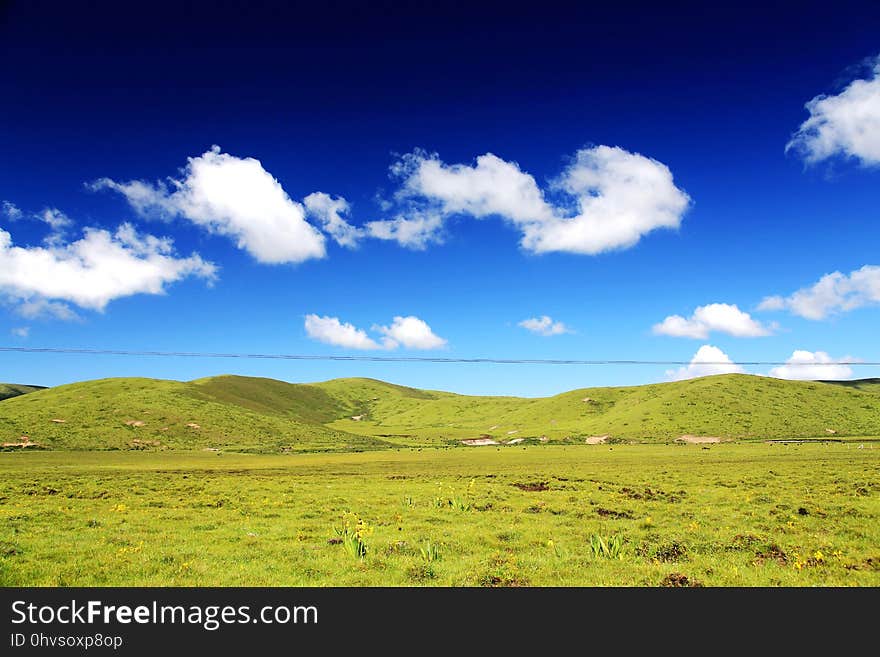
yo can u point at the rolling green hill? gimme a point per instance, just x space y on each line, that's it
255 414
9 390
136 413
725 406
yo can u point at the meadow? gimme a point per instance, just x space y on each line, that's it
728 514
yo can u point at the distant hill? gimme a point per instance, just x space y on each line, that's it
9 390
256 414
867 385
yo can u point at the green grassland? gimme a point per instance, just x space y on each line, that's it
730 514
253 414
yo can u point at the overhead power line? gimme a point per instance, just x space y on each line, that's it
407 359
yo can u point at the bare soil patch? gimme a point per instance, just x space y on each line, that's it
698 440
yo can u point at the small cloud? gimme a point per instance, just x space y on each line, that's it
37 308
813 366
21 332
544 325
718 317
707 361
832 294
414 231
846 124
410 332
330 330
54 218
329 212
11 211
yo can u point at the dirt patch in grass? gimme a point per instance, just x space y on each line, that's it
771 553
651 494
473 442
871 563
697 440
611 513
532 487
664 552
680 580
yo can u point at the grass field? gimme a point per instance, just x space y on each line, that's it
733 514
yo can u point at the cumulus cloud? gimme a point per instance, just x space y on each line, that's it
329 212
544 325
720 317
415 231
491 186
235 197
832 294
707 361
614 198
847 124
330 330
813 366
410 332
92 271
21 332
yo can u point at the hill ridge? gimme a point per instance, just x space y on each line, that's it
263 414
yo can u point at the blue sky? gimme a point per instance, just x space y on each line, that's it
435 182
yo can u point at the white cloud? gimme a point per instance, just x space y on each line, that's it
54 218
410 332
833 293
621 196
329 211
35 308
21 332
491 187
330 330
11 210
616 197
92 271
235 197
707 361
415 231
847 124
813 366
544 325
720 317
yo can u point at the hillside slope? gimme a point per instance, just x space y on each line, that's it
726 406
255 414
134 413
10 390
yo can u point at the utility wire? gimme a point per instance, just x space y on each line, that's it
404 359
